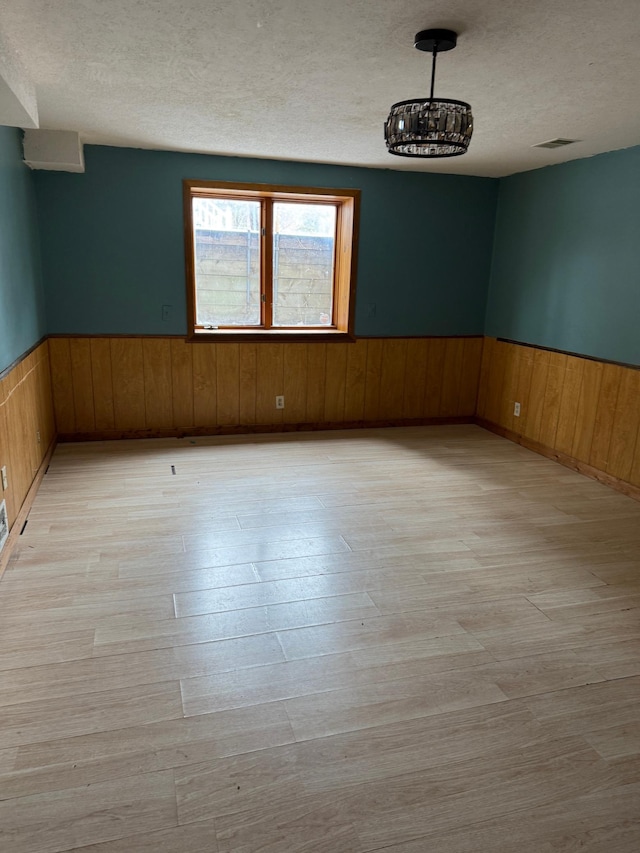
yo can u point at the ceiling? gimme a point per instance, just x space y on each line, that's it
313 80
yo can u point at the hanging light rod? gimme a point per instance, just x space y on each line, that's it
430 127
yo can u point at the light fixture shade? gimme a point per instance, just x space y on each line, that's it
429 127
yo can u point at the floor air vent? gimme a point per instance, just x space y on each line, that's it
4 524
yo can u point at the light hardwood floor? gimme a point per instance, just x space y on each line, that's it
407 640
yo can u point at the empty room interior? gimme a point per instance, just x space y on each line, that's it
319 427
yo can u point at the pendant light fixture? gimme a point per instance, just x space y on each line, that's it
430 127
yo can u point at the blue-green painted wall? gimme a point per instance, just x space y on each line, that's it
21 297
113 252
566 263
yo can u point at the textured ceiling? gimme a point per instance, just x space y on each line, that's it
314 79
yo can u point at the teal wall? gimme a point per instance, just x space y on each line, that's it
566 263
21 297
565 271
113 253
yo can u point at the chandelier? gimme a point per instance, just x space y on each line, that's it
430 127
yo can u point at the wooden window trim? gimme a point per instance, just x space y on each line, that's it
347 203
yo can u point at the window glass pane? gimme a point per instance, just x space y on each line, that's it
227 261
303 250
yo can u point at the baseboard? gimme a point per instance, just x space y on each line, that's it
250 429
568 461
25 509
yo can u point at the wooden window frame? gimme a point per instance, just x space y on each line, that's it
347 203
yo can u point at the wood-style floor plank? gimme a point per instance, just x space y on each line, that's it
601 822
128 634
381 640
100 756
296 678
43 719
192 838
76 817
97 674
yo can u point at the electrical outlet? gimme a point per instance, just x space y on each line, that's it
280 402
5 481
516 409
38 436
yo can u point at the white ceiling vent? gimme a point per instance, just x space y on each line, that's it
555 143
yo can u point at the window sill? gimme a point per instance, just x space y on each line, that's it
271 336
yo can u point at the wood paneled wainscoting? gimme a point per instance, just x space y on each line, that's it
579 411
144 386
26 414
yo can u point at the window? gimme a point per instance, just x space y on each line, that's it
270 262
